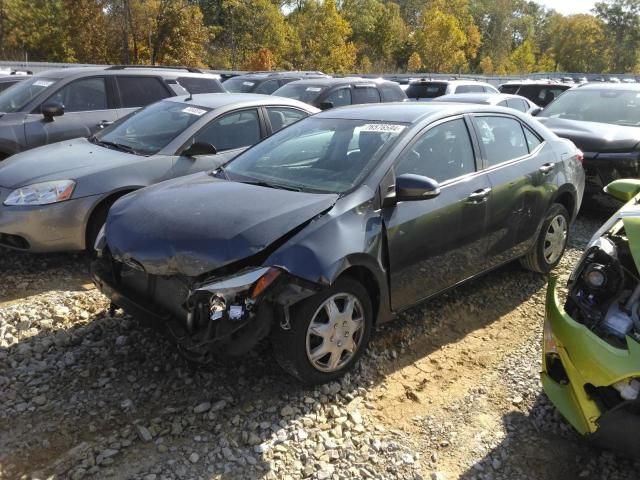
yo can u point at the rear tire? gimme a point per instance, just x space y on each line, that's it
337 321
551 243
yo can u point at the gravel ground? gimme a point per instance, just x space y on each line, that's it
450 390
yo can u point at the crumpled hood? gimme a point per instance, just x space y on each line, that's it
594 137
70 159
196 224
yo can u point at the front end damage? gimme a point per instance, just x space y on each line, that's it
591 347
227 313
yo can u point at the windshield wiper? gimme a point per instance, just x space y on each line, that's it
116 145
261 183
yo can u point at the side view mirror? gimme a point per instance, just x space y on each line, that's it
624 189
325 105
199 148
534 111
410 187
50 110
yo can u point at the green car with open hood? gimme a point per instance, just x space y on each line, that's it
591 347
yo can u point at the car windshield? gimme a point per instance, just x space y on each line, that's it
239 85
619 107
426 90
325 155
15 99
303 92
152 128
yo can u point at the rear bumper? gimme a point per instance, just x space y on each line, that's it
602 171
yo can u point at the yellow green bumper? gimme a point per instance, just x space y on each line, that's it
587 360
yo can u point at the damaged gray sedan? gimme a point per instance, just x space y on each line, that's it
335 223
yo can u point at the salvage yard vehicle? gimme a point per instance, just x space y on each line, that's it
426 89
540 92
326 93
56 197
499 99
266 82
591 348
76 102
603 120
337 223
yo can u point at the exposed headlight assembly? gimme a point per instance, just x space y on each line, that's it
41 193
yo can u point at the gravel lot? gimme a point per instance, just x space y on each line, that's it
449 391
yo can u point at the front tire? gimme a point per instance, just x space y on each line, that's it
551 243
329 332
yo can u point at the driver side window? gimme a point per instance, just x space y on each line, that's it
443 152
82 95
340 97
231 131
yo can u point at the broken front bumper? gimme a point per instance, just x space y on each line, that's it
575 361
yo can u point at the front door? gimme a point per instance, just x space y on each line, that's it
86 110
436 243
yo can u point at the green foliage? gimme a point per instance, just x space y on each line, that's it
339 36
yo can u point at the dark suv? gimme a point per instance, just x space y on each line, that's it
541 93
325 93
77 102
266 82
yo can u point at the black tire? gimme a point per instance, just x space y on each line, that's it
290 346
535 260
96 221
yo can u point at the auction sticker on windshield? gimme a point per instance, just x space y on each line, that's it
313 89
194 111
382 127
42 83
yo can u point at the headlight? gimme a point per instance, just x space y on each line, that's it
42 193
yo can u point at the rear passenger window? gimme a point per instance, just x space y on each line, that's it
518 104
138 91
532 139
444 152
82 95
280 117
340 97
200 85
469 89
267 87
392 93
502 139
366 95
233 130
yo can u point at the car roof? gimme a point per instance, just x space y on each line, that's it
115 70
488 98
340 81
404 112
455 81
13 78
266 75
609 86
217 100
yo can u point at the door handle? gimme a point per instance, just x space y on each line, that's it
547 168
104 123
479 195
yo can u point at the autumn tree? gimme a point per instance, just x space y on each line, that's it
415 63
622 28
580 44
441 41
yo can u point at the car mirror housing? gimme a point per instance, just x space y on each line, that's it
199 148
624 189
325 105
534 111
410 187
50 110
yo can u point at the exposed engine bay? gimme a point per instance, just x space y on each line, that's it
604 295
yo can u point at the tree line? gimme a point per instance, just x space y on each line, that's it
335 36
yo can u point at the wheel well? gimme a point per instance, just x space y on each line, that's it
366 278
105 203
567 201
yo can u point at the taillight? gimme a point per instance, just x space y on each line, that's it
579 155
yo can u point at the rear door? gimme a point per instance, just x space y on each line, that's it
231 133
513 158
88 106
436 243
365 94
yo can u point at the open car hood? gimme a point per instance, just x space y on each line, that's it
196 224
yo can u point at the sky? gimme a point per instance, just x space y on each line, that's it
568 7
